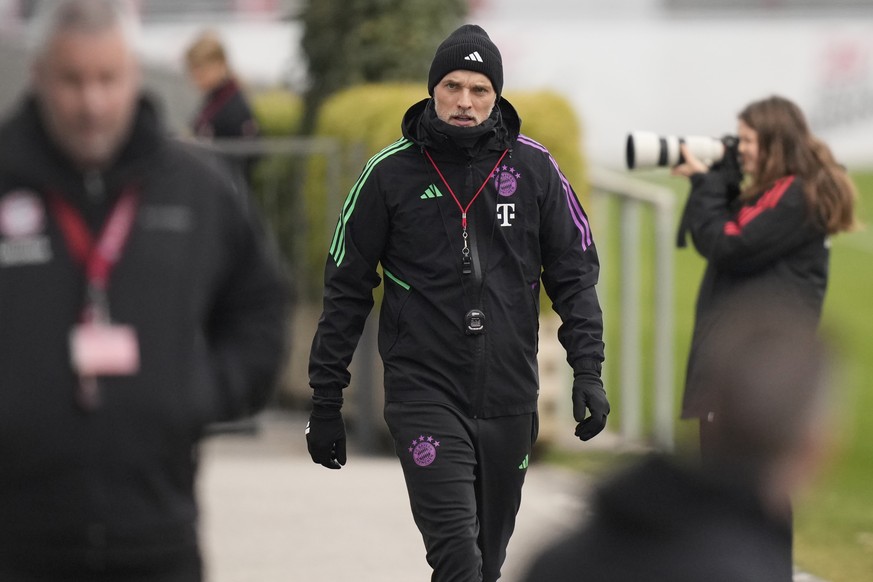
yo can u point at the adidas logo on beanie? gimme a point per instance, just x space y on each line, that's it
468 48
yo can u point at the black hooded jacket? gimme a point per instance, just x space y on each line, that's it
526 226
768 247
225 112
207 301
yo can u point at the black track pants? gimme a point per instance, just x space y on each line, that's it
464 478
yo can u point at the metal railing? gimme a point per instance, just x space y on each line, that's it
274 203
632 195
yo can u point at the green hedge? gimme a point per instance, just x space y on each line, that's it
549 119
279 112
274 184
367 118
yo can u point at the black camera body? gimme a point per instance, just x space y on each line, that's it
729 166
729 169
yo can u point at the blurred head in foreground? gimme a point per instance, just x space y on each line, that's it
727 519
86 76
769 397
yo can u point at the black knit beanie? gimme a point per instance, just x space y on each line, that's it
468 48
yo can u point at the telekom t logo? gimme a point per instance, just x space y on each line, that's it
505 212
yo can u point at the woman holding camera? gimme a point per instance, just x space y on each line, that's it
761 218
766 236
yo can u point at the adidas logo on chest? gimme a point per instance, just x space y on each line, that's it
431 192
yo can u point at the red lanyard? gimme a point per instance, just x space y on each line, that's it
215 104
465 251
99 257
476 195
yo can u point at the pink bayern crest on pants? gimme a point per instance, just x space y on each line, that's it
424 450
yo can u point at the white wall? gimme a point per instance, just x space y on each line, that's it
693 76
633 68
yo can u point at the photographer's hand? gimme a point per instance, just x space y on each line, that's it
690 166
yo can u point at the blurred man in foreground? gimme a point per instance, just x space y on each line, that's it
137 304
727 520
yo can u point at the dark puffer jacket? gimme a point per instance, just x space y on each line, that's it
207 301
768 247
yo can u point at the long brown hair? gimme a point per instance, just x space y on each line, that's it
787 147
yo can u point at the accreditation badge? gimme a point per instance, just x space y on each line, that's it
23 240
100 349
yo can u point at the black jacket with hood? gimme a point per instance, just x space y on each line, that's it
766 247
526 226
207 301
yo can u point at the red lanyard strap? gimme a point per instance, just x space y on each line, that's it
97 257
463 209
215 104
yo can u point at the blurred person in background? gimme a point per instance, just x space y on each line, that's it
766 236
225 111
769 233
466 216
673 519
138 303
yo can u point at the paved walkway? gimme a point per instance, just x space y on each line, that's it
270 514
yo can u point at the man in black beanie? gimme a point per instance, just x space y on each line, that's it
466 216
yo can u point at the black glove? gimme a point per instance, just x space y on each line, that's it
326 432
588 393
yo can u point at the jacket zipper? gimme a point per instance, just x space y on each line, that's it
479 342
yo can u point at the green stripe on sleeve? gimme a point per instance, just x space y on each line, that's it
337 246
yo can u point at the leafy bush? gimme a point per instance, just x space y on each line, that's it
549 119
278 112
276 182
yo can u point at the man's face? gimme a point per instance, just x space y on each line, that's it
464 98
87 85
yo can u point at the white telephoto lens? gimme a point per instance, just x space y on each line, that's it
646 149
643 149
706 149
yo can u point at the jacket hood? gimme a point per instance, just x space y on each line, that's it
506 129
29 156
